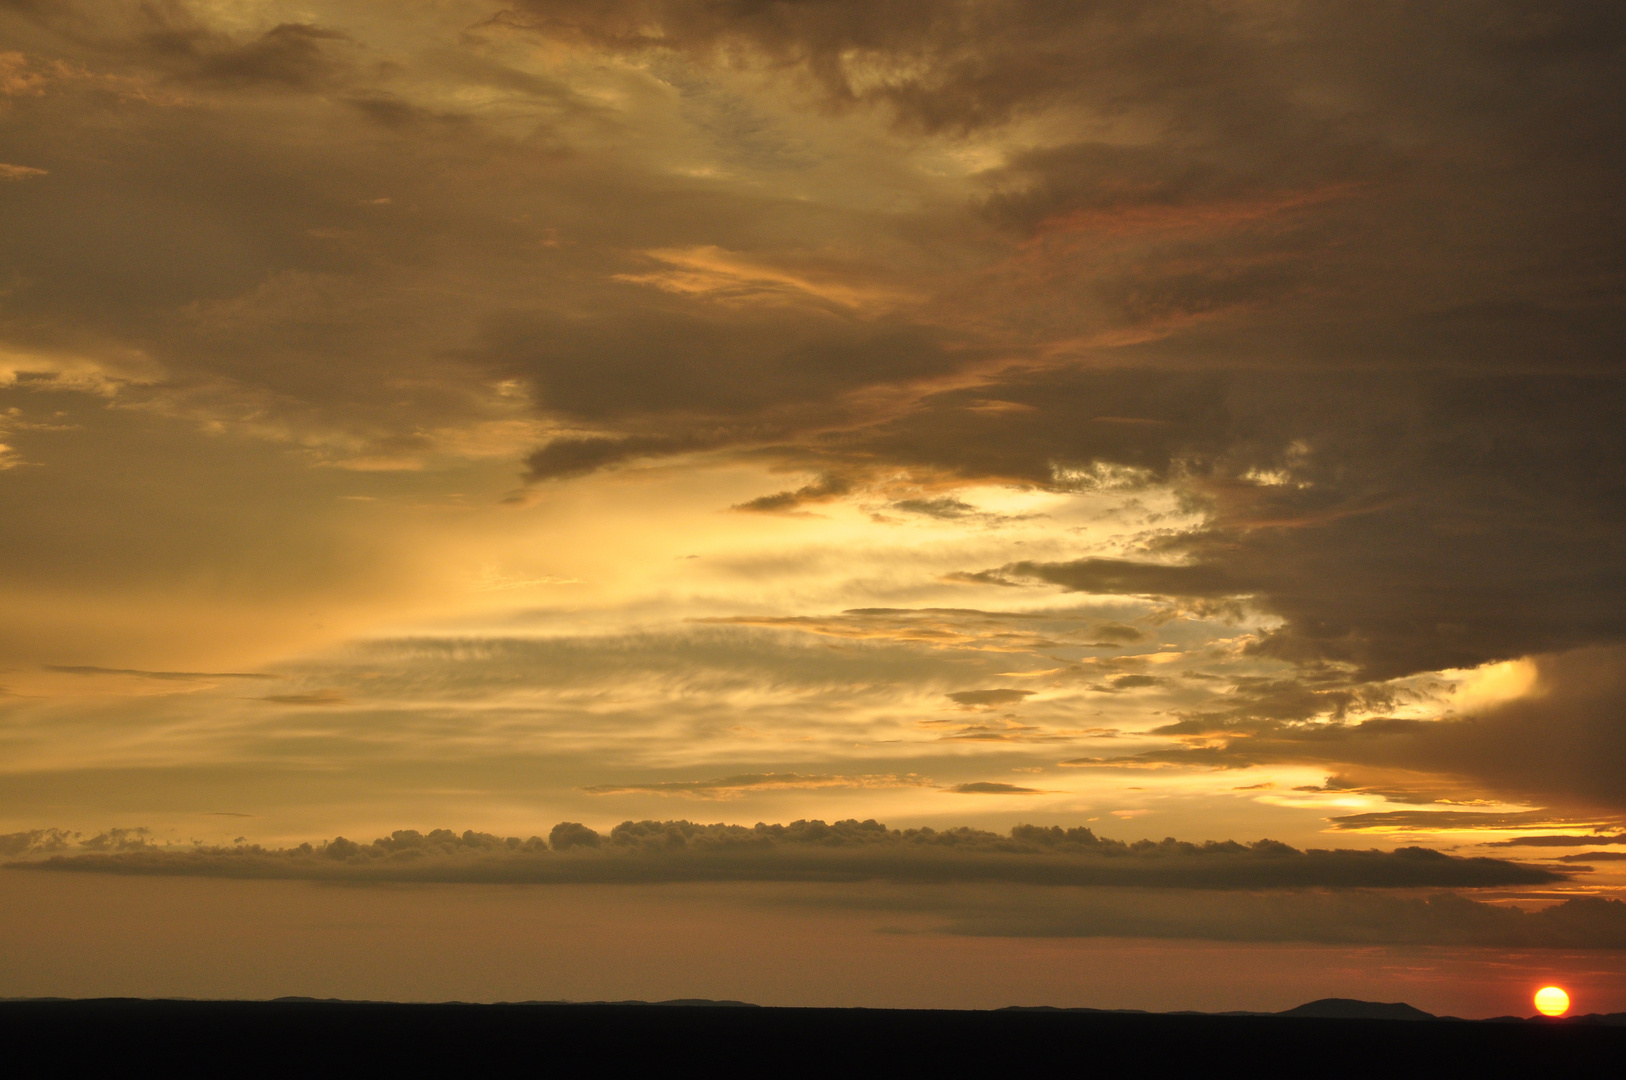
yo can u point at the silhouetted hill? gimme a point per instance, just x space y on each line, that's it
1351 1009
353 1039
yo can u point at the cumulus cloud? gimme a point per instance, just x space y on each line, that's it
811 851
34 842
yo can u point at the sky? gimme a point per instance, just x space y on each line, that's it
947 503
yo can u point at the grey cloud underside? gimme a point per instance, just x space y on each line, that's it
673 851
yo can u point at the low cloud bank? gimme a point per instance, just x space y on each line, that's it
803 851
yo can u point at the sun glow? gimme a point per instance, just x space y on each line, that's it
1552 1001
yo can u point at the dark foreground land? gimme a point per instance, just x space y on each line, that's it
316 1038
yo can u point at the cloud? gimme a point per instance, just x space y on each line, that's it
961 628
983 699
87 669
1561 743
943 506
1126 576
727 787
1562 841
34 842
291 55
19 172
1452 819
822 490
985 787
811 851
567 457
1350 917
716 274
315 697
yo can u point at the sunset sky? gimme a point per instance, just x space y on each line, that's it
1200 420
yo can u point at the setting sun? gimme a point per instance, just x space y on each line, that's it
1552 1001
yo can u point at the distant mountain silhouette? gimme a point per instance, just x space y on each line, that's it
1351 1009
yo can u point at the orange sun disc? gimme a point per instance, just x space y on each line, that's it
1552 1001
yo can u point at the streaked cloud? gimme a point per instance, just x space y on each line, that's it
725 787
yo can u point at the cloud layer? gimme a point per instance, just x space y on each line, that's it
655 851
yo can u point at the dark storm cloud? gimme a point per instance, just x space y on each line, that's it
690 361
1429 480
1448 522
685 378
810 851
1125 576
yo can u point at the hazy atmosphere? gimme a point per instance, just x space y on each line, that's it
956 503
